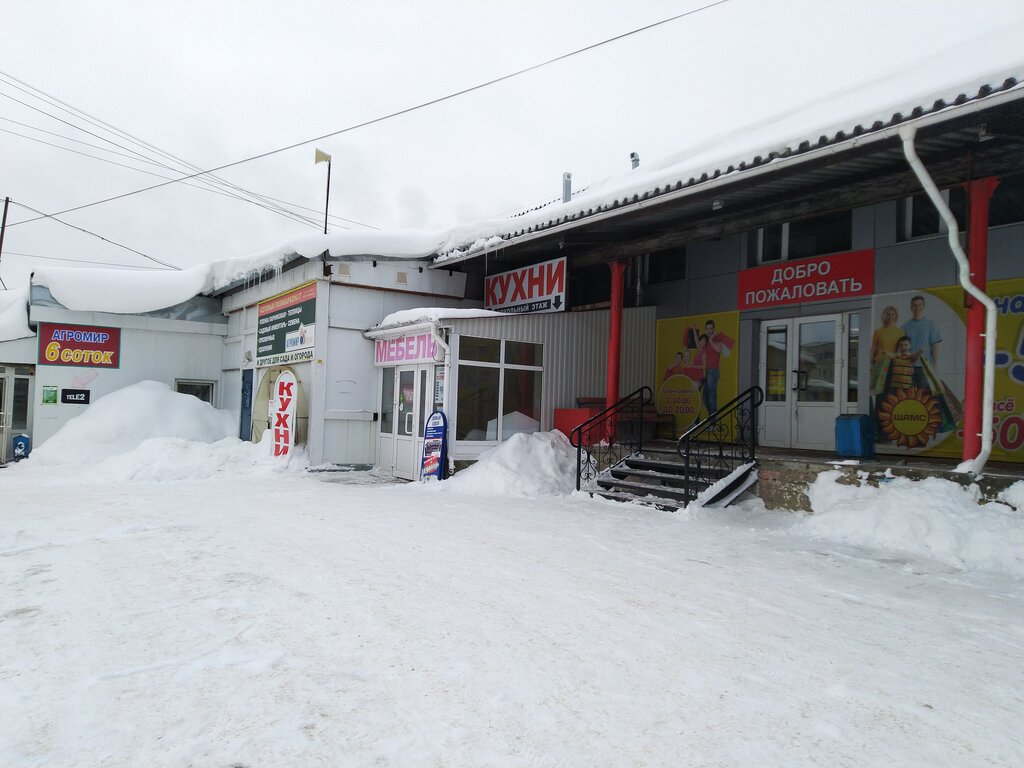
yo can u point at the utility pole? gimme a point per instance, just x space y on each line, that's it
3 228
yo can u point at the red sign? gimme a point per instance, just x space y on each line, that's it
283 415
841 276
538 288
83 346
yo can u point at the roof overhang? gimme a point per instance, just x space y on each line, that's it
842 172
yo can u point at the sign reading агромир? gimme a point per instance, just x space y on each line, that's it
84 346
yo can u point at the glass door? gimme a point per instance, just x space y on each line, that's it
776 415
800 370
409 417
817 375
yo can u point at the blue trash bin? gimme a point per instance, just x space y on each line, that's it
855 436
22 445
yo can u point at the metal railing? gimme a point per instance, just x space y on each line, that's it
609 437
725 440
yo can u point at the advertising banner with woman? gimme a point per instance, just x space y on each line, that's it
697 369
917 370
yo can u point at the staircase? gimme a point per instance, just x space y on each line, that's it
713 462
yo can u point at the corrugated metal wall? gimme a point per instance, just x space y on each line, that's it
575 350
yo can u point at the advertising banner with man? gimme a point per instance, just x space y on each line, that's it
697 368
917 371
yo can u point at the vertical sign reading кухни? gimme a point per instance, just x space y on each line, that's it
282 415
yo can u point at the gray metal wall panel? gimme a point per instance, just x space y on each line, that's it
713 294
670 299
1006 252
863 226
714 257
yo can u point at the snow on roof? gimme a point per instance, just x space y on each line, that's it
432 315
14 315
125 292
979 68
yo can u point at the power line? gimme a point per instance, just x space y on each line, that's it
399 113
94 234
315 224
287 214
77 141
139 156
82 261
97 122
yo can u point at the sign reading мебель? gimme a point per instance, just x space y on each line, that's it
286 325
85 346
841 276
410 349
537 288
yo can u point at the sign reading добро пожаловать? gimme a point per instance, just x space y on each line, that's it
285 330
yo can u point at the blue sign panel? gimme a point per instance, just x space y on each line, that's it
435 447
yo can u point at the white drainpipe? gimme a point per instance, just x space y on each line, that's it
976 465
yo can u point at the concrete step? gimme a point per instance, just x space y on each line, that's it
667 505
640 489
666 467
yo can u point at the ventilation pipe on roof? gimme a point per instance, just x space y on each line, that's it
634 158
566 187
976 465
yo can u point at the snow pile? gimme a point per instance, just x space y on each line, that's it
525 465
14 315
433 315
146 432
933 518
121 421
170 459
1014 495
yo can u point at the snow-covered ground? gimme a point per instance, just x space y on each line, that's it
243 613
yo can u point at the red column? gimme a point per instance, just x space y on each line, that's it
979 192
615 334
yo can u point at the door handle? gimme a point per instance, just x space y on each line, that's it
408 423
796 384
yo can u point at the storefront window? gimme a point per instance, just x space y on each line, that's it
477 410
523 353
19 406
1007 204
201 389
480 350
387 401
514 383
918 216
520 410
830 233
853 357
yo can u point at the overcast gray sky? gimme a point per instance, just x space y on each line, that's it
216 82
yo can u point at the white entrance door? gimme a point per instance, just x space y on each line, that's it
801 370
16 394
404 389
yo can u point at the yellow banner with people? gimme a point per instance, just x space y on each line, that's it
917 371
697 365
